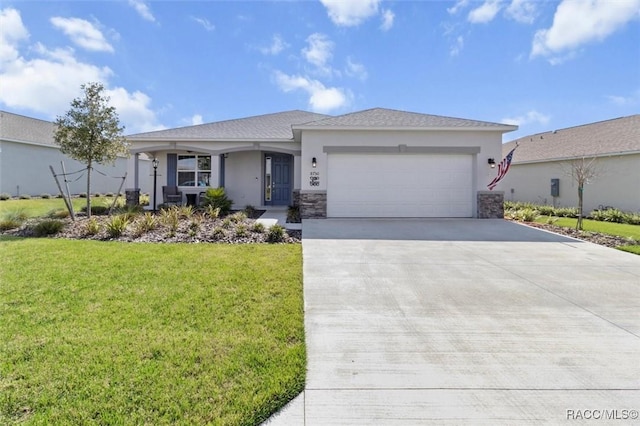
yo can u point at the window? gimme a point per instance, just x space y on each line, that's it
194 170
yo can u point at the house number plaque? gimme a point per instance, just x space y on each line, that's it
314 179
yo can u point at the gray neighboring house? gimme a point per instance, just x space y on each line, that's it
539 171
372 163
27 149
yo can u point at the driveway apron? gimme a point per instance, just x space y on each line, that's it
466 321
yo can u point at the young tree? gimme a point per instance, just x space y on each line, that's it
90 131
582 170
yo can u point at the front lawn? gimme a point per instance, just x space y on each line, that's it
610 228
134 333
38 207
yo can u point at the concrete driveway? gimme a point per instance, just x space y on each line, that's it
465 321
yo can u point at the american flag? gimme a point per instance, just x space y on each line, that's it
503 168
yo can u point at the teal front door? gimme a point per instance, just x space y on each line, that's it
278 177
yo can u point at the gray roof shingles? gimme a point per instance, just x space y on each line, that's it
268 126
390 118
615 136
18 128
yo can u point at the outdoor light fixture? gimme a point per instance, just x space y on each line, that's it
492 163
155 164
314 163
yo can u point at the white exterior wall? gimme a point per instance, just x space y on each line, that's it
24 169
313 142
243 178
618 184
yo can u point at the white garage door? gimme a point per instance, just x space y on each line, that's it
399 185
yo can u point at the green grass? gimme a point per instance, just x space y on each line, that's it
117 333
631 249
617 229
38 207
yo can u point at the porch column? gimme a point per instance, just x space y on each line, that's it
214 181
136 171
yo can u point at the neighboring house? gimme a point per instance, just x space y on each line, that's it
27 149
372 163
541 158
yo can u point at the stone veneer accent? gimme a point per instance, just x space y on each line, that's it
296 198
490 204
313 205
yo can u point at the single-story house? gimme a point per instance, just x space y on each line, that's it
372 163
27 149
541 173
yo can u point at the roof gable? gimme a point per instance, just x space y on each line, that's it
268 126
382 118
18 128
615 136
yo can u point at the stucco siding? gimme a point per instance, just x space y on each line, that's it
24 169
617 184
243 177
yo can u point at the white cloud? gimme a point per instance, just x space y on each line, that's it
532 116
356 70
460 4
457 47
350 13
319 51
277 45
12 31
576 23
50 79
143 10
630 100
523 11
485 13
321 98
82 33
387 20
196 119
205 23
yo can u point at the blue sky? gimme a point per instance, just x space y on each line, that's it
543 65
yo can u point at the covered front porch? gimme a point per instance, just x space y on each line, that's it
255 176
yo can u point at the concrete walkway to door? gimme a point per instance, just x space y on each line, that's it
464 321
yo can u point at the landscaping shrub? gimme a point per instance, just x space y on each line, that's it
58 214
117 225
25 197
147 222
250 210
92 227
9 223
566 212
526 214
258 228
276 234
47 227
4 196
216 197
185 211
97 210
293 214
212 212
238 217
45 196
218 233
241 230
171 219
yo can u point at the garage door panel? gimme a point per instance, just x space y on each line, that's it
402 185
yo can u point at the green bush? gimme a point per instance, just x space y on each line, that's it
146 223
238 217
92 227
25 197
58 214
97 210
276 234
117 225
258 228
4 196
526 214
45 196
212 212
9 223
217 198
293 214
218 233
82 195
47 227
250 210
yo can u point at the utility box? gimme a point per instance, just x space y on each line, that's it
555 187
133 196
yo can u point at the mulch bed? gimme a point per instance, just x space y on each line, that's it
190 230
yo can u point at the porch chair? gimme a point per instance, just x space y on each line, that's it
171 195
